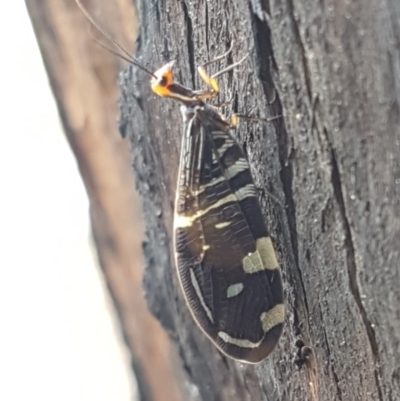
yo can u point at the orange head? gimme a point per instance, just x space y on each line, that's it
162 80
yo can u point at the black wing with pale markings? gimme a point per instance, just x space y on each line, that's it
225 259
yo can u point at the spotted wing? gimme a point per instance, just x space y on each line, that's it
225 259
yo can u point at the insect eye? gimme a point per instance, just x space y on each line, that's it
163 81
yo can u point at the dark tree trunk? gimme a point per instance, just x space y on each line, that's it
330 174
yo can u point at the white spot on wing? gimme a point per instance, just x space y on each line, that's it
187 221
248 191
200 295
227 144
224 224
273 317
234 290
263 258
238 342
240 165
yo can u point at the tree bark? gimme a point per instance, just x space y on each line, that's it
330 174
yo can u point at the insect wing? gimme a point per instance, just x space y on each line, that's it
225 259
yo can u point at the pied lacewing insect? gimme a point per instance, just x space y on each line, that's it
226 262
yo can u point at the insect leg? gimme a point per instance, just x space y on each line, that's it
210 80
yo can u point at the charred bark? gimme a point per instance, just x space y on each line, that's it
330 174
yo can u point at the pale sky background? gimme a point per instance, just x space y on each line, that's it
58 340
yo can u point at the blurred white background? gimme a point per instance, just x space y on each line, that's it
58 339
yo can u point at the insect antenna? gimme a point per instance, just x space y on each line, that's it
125 54
219 58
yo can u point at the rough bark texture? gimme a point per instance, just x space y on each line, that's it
330 175
84 81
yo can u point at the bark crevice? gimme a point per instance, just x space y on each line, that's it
352 270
